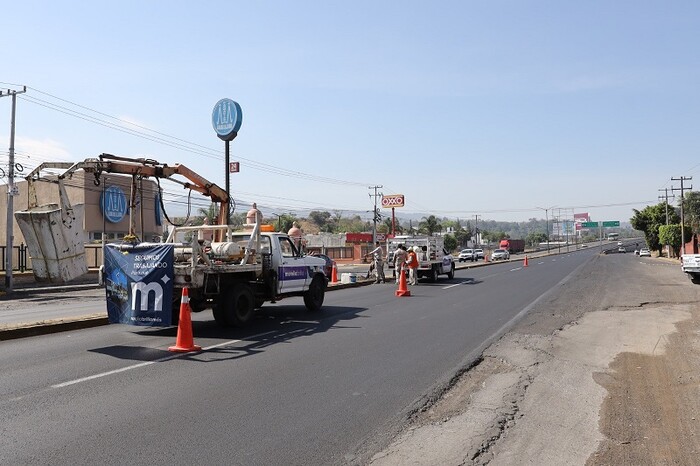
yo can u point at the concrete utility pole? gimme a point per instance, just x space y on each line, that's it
665 198
682 179
375 212
477 243
11 190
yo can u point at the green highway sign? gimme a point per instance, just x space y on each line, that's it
589 224
612 223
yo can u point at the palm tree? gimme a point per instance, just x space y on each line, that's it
430 225
210 213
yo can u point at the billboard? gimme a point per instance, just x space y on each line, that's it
580 218
139 284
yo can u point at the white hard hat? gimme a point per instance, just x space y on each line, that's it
416 248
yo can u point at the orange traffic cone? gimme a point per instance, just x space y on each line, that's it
334 274
403 289
525 262
184 342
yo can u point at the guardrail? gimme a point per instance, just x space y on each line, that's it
21 262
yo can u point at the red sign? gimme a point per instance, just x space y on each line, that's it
358 237
580 218
234 167
363 237
392 200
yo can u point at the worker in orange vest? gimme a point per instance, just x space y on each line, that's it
412 264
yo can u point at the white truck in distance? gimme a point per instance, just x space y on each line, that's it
433 257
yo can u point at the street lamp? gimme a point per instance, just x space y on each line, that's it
279 220
546 216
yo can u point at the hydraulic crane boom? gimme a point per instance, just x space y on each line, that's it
137 168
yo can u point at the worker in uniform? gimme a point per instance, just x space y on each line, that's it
378 257
399 261
412 264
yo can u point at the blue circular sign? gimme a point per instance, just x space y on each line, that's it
113 204
226 119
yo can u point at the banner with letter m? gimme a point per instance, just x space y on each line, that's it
139 284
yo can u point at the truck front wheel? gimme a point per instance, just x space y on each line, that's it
313 297
451 273
434 274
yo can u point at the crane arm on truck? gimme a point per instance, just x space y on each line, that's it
144 168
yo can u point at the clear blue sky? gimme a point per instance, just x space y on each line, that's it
490 108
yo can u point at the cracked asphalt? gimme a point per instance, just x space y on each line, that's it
603 372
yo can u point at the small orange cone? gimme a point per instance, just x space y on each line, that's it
184 342
525 262
334 274
403 289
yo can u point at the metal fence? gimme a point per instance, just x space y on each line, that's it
21 262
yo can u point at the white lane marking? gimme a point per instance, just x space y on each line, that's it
456 284
513 270
540 263
148 363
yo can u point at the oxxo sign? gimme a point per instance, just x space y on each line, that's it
392 200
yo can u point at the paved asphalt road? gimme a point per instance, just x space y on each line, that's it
293 388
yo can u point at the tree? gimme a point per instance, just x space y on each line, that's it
671 235
450 242
462 236
648 221
430 225
535 238
494 236
321 219
210 213
691 210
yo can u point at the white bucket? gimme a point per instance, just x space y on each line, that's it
348 278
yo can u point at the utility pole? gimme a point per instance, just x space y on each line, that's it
665 198
476 231
11 190
375 212
682 179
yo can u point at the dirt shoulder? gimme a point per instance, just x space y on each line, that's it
604 371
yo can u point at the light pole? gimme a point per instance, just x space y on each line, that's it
279 220
546 216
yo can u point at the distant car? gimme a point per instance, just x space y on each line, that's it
478 254
619 243
621 249
644 252
466 255
584 246
500 254
328 268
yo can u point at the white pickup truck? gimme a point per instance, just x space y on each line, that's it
433 258
236 276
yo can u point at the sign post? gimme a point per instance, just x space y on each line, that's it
226 118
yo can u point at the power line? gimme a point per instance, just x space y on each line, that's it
143 132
